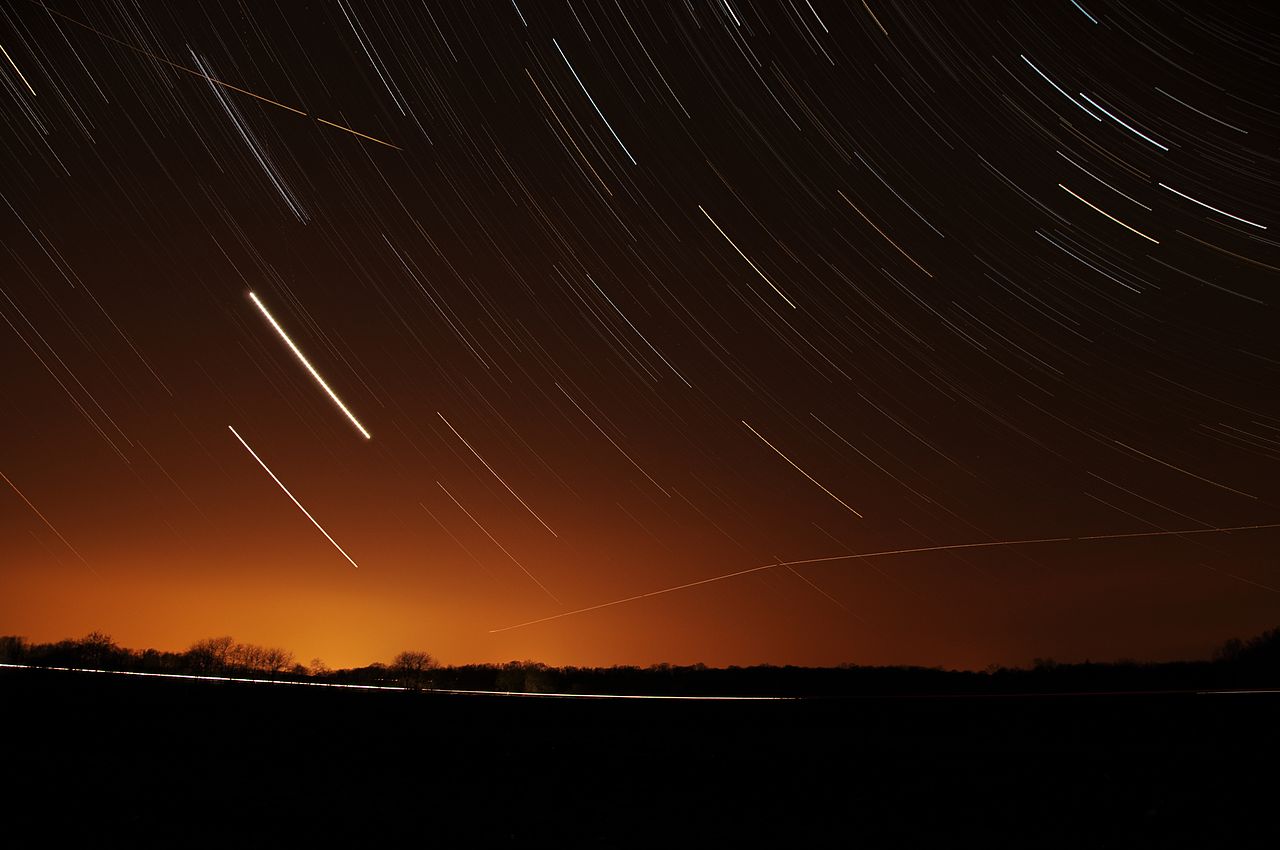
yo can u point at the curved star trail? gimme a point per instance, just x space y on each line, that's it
634 294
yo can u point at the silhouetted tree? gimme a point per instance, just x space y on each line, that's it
1229 651
245 657
1260 651
276 660
13 649
210 655
413 668
98 650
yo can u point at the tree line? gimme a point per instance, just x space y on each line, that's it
1236 664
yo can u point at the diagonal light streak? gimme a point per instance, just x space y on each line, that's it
291 496
303 360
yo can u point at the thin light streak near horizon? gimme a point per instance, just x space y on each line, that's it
884 553
402 688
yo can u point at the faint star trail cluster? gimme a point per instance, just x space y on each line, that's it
622 332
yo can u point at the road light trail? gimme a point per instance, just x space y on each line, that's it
291 496
495 474
801 471
45 520
884 553
295 683
302 358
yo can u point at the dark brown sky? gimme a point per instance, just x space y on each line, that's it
707 287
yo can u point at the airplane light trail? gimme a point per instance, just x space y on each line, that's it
291 496
206 77
302 358
862 555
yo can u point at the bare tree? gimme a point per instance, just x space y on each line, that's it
275 659
13 649
211 655
97 649
413 668
246 657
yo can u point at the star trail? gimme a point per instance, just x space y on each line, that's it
673 322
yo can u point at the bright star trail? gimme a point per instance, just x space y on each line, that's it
636 294
307 364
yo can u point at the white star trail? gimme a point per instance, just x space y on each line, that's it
1108 215
797 468
495 542
305 512
495 474
21 76
751 263
593 102
303 360
45 520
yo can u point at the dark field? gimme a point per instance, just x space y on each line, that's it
98 757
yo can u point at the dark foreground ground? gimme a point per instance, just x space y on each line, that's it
100 759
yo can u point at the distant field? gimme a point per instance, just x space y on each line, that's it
92 755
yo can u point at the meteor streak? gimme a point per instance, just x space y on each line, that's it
863 555
291 496
310 368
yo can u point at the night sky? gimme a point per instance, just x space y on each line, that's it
632 295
